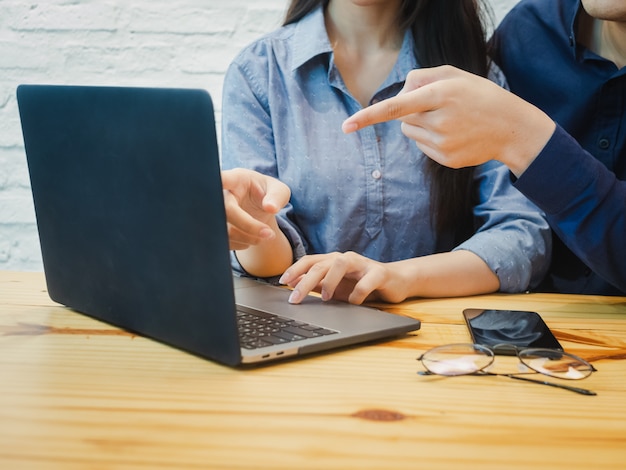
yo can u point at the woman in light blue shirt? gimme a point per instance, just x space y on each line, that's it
370 217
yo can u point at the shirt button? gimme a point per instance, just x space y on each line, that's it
604 144
376 174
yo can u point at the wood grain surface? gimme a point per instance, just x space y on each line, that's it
76 393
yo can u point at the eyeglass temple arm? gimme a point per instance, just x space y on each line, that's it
582 391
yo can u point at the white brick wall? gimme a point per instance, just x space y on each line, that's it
187 43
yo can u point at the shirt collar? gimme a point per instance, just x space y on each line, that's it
310 38
406 61
572 11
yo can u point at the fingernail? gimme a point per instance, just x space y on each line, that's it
325 295
284 279
295 297
348 127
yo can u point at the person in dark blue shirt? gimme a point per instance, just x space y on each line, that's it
567 153
576 75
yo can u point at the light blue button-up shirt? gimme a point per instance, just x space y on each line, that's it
284 103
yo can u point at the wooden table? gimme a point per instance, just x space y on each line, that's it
76 393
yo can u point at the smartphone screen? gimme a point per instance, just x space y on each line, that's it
509 330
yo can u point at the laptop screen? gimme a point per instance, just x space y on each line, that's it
127 191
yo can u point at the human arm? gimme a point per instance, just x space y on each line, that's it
584 202
460 119
511 245
355 278
251 200
269 257
247 142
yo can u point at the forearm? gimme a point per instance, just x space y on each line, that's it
268 258
452 274
585 204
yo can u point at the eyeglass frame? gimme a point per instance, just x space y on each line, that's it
492 352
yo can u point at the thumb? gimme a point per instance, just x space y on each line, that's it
277 195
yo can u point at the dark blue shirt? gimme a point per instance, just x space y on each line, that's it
579 183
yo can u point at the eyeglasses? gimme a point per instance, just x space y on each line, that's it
466 359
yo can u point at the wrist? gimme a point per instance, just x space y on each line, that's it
528 140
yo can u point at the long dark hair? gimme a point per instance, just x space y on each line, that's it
445 32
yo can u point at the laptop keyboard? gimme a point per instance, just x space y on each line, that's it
260 329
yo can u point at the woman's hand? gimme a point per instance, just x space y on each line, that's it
251 200
344 276
354 278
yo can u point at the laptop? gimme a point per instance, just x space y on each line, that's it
131 220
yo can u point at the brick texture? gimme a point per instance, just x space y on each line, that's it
188 43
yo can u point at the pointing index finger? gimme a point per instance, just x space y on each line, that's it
417 96
386 110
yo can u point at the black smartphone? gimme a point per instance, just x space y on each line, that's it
506 331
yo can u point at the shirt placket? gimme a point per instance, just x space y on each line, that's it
373 181
608 121
372 159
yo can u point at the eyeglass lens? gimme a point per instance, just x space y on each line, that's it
463 359
556 363
457 359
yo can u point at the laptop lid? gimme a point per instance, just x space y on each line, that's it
128 198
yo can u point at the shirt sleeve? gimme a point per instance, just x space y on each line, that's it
584 202
512 236
245 114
